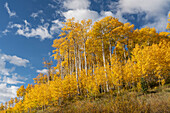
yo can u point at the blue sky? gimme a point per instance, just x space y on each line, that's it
28 27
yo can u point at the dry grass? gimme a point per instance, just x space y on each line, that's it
128 102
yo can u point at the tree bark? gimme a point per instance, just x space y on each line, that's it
68 61
104 64
77 78
62 77
124 54
79 53
85 58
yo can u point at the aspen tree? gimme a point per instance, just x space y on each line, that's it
21 92
1 107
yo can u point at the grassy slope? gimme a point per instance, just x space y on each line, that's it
155 101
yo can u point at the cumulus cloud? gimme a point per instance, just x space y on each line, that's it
12 80
76 4
80 10
3 69
39 32
26 30
52 6
7 92
160 24
5 31
8 79
11 25
34 15
152 7
55 27
15 60
80 14
155 11
44 71
11 13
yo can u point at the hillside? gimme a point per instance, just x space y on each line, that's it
107 66
156 100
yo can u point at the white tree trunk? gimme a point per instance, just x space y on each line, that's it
62 77
79 53
85 58
104 63
77 78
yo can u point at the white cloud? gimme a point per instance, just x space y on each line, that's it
15 60
3 69
42 20
106 13
7 92
34 15
10 25
8 77
56 26
79 9
12 80
39 32
76 4
149 6
44 71
80 14
12 60
5 31
26 30
160 24
11 13
52 6
155 11
27 23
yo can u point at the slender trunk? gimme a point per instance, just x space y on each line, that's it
104 64
117 64
124 54
110 50
79 53
85 59
115 51
70 65
75 54
93 68
89 66
43 107
73 66
68 60
62 77
128 49
49 74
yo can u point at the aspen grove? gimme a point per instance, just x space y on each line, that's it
97 58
